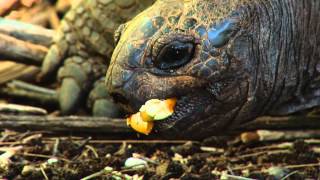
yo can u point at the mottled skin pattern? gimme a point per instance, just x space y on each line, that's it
81 51
227 61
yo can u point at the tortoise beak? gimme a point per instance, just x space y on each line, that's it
119 88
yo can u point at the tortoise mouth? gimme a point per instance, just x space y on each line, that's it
191 106
189 109
182 110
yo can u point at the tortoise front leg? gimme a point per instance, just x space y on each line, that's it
101 103
88 29
85 32
76 78
82 45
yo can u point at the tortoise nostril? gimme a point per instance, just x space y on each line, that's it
119 98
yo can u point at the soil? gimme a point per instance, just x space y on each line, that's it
42 156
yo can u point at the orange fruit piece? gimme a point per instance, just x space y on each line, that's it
152 110
135 121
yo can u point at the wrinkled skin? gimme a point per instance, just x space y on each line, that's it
226 61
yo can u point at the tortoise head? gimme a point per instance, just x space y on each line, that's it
193 50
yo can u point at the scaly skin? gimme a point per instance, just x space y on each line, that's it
227 61
83 45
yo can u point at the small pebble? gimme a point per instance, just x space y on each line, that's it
277 172
135 163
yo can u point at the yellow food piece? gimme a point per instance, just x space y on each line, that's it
145 116
156 109
153 110
135 121
171 103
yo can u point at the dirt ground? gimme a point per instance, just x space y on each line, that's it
36 155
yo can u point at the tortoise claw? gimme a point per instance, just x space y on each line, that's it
101 103
69 96
105 108
51 62
76 78
73 81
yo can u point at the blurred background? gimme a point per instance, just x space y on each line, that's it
46 13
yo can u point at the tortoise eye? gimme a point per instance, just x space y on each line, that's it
174 55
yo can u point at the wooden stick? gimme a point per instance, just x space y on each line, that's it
21 110
91 124
267 135
21 89
11 70
27 32
65 124
77 123
283 122
137 141
21 51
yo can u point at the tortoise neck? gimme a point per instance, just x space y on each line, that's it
284 36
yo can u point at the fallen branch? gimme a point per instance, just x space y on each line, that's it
21 51
283 122
20 89
65 124
11 70
27 32
21 109
107 125
266 135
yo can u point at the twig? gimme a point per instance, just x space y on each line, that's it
283 145
288 175
228 176
92 149
117 141
80 148
27 32
21 89
28 139
138 141
312 141
55 149
212 150
44 173
282 122
106 142
21 51
21 109
107 170
11 70
265 152
66 124
302 165
42 156
247 167
266 135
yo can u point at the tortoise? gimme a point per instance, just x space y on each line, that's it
227 61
